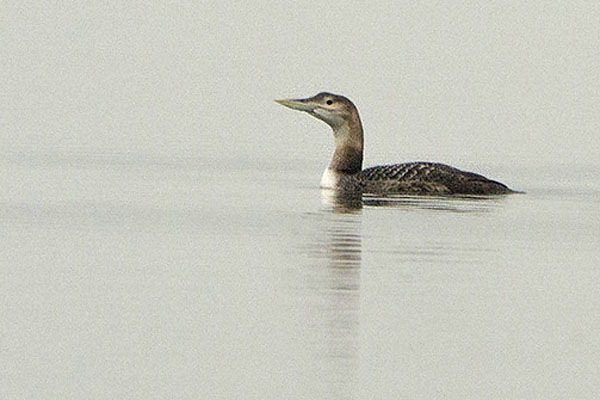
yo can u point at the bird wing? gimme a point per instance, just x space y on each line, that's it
427 177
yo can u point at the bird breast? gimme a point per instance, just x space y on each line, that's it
330 179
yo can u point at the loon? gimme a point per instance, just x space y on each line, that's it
414 178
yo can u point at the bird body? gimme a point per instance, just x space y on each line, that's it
415 178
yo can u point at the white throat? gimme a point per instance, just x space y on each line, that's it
330 179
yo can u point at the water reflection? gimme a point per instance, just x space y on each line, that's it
331 290
457 204
333 298
343 202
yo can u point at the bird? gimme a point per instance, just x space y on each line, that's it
345 172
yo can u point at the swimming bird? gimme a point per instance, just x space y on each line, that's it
414 178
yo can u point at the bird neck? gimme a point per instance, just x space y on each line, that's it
348 154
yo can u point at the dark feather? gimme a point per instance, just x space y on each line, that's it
427 177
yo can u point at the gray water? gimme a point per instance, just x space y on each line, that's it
136 276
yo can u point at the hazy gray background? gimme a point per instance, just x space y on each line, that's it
462 82
162 232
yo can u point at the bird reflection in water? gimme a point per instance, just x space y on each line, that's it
335 296
342 201
349 202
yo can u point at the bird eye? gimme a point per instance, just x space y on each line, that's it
329 102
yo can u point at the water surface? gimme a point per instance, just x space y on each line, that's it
140 276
